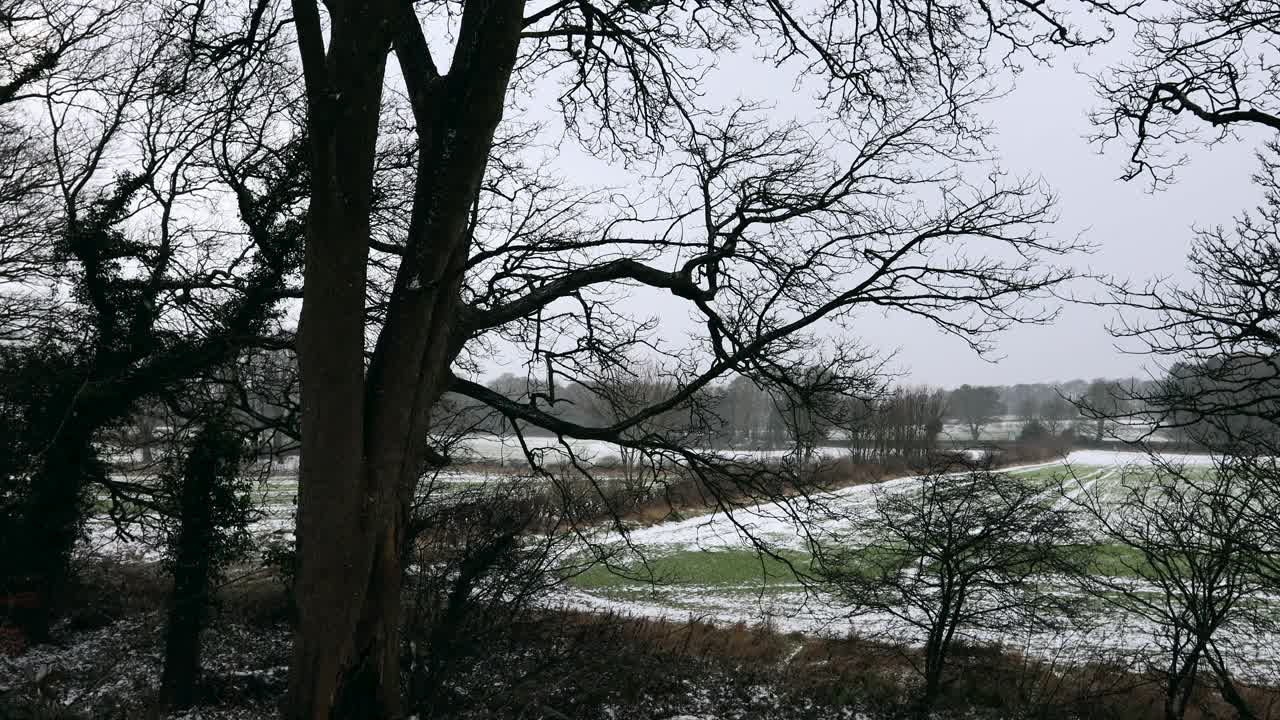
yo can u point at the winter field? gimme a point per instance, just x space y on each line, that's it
708 567
479 460
508 450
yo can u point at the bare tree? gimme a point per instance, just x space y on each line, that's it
950 554
903 424
1216 339
1102 404
976 407
149 291
45 48
1055 411
1199 71
763 233
484 559
1029 411
1188 559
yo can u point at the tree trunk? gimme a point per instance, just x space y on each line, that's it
362 437
1227 686
52 520
341 515
932 674
210 468
1181 685
188 604
146 438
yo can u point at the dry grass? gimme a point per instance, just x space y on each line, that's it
684 496
578 664
880 678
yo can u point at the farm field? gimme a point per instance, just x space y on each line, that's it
482 459
275 497
709 568
507 449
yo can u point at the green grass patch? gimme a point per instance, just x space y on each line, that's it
747 571
692 567
1116 561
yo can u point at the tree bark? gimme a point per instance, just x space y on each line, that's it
52 519
192 566
339 511
932 671
1227 686
206 495
362 436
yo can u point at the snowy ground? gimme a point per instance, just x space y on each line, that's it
508 450
113 672
785 604
788 606
276 497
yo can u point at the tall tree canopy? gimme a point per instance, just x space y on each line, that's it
765 232
151 231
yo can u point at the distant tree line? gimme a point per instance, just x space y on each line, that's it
1087 410
740 414
874 421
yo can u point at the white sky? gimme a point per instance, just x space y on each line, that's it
1041 128
1139 234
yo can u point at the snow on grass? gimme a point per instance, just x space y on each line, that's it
1104 635
1118 458
114 671
705 567
780 525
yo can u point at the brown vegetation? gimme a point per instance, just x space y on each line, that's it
566 663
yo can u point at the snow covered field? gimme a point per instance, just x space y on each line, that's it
276 500
716 542
784 603
507 449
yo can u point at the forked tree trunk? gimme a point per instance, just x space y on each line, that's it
348 593
363 433
1181 680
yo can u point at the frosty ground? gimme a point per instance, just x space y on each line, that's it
711 568
765 635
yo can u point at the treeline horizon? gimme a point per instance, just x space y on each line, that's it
881 419
755 416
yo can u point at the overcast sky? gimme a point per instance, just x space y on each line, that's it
1042 127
